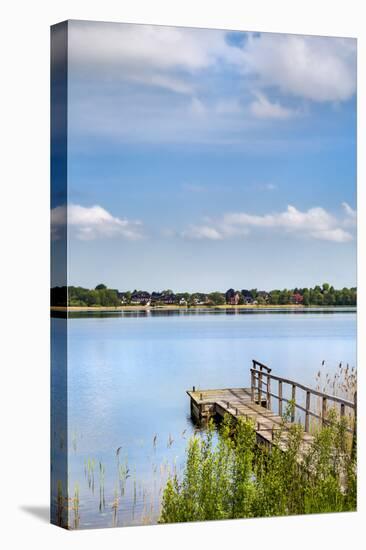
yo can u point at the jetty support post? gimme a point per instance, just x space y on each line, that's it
260 385
293 397
307 411
268 404
280 397
324 410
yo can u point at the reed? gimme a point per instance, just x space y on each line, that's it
341 382
115 507
101 487
75 507
61 509
89 468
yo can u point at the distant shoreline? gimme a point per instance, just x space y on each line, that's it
186 308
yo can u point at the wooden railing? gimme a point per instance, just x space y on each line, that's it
259 372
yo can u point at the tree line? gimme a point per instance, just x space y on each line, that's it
324 295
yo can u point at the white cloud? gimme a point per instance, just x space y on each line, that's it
202 232
162 81
351 213
310 67
261 107
93 222
147 53
315 223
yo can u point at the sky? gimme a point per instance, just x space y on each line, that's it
206 159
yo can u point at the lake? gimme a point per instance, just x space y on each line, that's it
128 412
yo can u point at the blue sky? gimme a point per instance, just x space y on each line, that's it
203 159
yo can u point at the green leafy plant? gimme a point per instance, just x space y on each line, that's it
228 475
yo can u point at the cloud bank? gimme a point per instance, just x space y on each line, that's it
89 223
315 223
95 222
167 84
311 67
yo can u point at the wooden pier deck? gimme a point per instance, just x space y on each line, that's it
237 403
255 403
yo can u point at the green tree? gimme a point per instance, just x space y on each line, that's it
93 298
274 297
217 298
285 297
306 296
101 286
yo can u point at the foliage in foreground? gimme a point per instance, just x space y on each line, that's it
232 477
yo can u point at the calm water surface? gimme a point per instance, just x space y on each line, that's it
127 378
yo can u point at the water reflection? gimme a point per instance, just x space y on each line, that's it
198 311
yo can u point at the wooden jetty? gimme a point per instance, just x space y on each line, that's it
256 403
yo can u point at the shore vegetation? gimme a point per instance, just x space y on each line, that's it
228 475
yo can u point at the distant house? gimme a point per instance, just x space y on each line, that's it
168 299
155 297
140 298
232 297
199 299
247 297
297 298
182 302
122 297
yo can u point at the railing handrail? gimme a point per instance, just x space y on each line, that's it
261 365
329 397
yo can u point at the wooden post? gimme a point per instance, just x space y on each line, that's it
280 397
307 407
260 386
324 410
194 388
268 391
200 396
252 385
293 397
